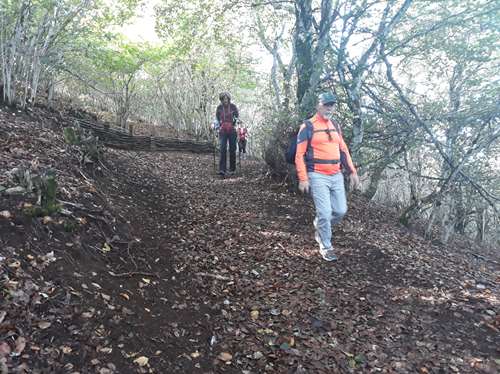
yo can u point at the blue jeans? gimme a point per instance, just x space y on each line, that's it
328 194
224 138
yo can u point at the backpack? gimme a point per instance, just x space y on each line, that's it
292 147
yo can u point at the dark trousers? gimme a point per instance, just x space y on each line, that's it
224 139
242 146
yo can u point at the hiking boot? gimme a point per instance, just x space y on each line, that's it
231 172
222 173
328 254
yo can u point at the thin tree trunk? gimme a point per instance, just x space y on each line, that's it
274 79
480 224
303 41
50 94
375 178
15 41
436 206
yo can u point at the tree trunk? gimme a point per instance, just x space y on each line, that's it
447 220
303 41
432 218
358 128
480 225
414 195
375 178
12 63
274 79
50 93
310 47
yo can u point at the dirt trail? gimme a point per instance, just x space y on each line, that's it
171 267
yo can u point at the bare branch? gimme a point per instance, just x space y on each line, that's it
455 169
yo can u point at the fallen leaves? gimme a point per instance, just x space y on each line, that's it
105 350
88 314
254 314
4 349
47 219
225 356
257 355
20 344
44 325
286 312
195 354
5 214
66 350
15 264
246 259
106 248
141 361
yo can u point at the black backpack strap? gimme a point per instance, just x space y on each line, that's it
337 127
310 132
343 159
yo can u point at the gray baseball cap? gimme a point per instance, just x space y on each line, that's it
327 98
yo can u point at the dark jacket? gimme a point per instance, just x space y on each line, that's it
224 115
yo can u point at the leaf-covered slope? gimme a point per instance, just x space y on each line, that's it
157 265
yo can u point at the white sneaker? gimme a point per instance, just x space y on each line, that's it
328 254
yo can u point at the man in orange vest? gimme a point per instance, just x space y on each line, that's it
321 157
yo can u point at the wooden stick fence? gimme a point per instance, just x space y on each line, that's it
117 139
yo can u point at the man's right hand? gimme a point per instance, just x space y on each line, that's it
304 186
354 181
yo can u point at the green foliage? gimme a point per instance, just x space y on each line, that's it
70 136
196 25
46 188
70 225
41 38
115 12
48 192
207 34
39 211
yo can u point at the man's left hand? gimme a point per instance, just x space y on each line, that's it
354 181
304 186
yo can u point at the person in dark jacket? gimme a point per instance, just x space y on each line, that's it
227 116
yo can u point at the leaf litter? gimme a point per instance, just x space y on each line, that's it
234 281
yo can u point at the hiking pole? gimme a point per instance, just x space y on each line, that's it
214 152
239 159
238 149
214 159
215 131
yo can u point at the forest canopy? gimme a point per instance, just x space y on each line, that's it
417 83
